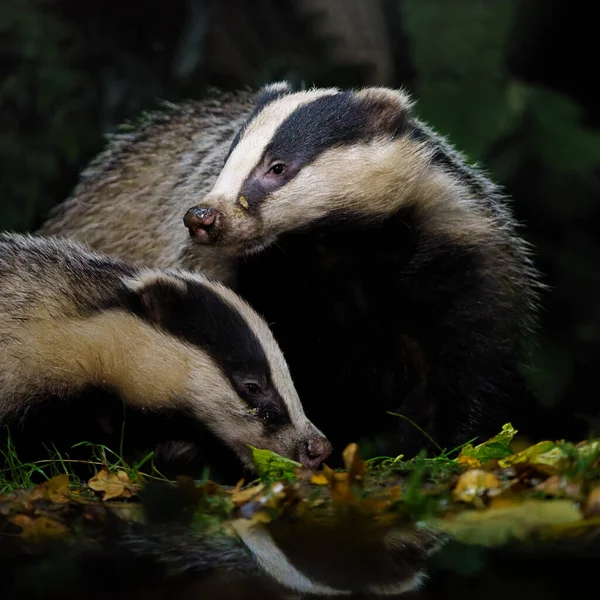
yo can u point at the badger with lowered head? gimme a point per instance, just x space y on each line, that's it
392 273
77 326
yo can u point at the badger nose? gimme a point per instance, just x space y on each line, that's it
204 224
314 451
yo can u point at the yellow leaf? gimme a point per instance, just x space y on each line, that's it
240 497
501 525
474 483
319 479
112 485
39 527
55 490
328 473
542 453
469 461
355 466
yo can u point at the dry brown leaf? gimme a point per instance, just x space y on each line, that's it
475 483
355 466
55 490
113 485
240 497
39 527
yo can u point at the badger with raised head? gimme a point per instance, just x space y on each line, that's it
391 272
79 327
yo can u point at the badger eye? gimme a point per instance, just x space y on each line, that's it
277 169
253 388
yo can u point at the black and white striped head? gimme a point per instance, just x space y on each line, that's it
303 156
230 373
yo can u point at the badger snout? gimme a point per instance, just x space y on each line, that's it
313 451
204 224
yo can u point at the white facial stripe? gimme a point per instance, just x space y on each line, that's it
356 177
259 133
280 374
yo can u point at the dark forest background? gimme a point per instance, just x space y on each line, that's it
511 82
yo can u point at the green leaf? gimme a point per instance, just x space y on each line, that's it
496 447
271 466
542 453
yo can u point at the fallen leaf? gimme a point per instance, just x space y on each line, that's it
468 461
40 527
498 502
575 529
55 490
502 525
239 497
272 466
319 479
355 466
328 473
112 485
495 448
542 453
473 484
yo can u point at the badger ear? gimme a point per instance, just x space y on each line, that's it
387 109
152 296
271 92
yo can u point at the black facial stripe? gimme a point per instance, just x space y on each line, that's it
201 317
264 99
324 123
309 131
314 127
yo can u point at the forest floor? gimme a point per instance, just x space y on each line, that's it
486 496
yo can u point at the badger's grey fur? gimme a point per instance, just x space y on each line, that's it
73 321
391 271
131 198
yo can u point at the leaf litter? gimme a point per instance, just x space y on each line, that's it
483 495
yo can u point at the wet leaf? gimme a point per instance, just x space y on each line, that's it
272 466
112 485
468 461
496 447
55 490
542 453
39 527
241 496
319 479
475 483
355 466
502 525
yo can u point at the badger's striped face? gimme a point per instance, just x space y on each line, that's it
232 375
307 155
